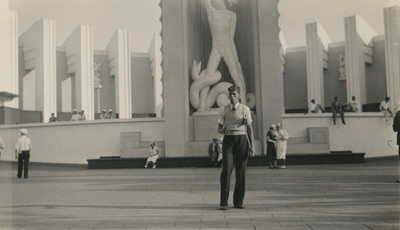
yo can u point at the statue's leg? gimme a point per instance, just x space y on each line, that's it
236 73
212 66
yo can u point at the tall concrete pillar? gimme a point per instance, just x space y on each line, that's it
79 51
120 67
8 56
175 76
156 71
358 51
392 50
39 50
269 82
317 60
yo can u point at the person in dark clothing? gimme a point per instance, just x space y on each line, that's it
396 127
337 108
271 147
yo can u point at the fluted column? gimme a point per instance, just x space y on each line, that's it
358 51
120 67
156 71
40 54
8 56
392 50
79 51
317 58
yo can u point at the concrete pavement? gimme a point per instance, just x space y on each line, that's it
348 196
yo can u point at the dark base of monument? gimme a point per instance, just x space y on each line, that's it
203 162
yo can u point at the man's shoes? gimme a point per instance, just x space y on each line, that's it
239 206
19 177
398 181
145 166
223 208
26 177
154 167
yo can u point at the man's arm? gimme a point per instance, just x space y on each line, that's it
221 129
251 138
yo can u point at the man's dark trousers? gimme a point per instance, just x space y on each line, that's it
23 161
235 150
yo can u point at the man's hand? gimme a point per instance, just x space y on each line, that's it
251 152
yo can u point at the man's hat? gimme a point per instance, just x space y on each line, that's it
110 110
23 131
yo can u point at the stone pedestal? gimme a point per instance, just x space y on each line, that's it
205 125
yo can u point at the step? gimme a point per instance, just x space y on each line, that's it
200 162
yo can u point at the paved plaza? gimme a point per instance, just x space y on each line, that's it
341 196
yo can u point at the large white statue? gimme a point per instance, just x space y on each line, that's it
222 25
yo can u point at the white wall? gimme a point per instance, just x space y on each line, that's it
364 133
75 142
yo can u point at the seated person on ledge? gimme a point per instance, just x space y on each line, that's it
384 107
352 106
314 108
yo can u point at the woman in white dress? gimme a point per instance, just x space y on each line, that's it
153 155
281 144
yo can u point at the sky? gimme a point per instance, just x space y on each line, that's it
141 18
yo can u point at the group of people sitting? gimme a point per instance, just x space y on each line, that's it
105 115
78 116
352 106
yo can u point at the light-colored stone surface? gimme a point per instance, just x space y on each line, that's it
351 196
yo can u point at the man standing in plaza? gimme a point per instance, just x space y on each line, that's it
396 126
22 153
2 145
234 121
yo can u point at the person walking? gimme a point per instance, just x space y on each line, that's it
281 145
271 147
23 148
234 121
